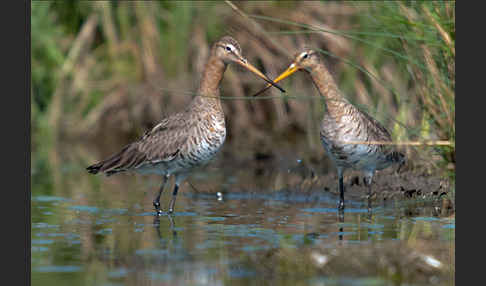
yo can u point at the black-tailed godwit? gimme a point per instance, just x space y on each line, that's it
350 137
187 139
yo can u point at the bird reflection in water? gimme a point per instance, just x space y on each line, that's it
171 223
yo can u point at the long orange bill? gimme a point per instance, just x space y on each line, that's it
290 70
248 66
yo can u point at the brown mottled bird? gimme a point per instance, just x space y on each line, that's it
350 137
187 139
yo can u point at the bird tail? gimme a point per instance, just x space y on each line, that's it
127 158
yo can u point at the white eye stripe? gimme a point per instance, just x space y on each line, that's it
231 47
303 54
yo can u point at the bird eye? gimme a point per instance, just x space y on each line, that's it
228 48
305 56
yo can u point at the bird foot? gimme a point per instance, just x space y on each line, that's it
371 196
340 205
157 208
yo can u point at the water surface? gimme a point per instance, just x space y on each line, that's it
233 226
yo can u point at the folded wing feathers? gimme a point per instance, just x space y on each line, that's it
161 143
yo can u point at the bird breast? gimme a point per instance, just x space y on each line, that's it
335 131
208 137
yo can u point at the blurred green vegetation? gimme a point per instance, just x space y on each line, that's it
122 65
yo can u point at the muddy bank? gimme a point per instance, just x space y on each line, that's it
391 186
289 170
290 173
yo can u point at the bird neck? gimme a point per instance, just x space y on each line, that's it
211 78
327 87
208 93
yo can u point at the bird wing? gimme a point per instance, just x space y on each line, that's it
163 142
378 131
160 144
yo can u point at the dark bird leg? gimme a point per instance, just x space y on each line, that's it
178 180
340 205
400 165
157 199
367 180
172 201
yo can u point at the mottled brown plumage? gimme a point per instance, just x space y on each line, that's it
187 139
346 132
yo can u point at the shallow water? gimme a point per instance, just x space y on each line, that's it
93 230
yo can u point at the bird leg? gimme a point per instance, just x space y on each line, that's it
178 180
367 181
400 167
172 201
157 199
340 205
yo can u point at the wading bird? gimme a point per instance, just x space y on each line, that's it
187 139
350 137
